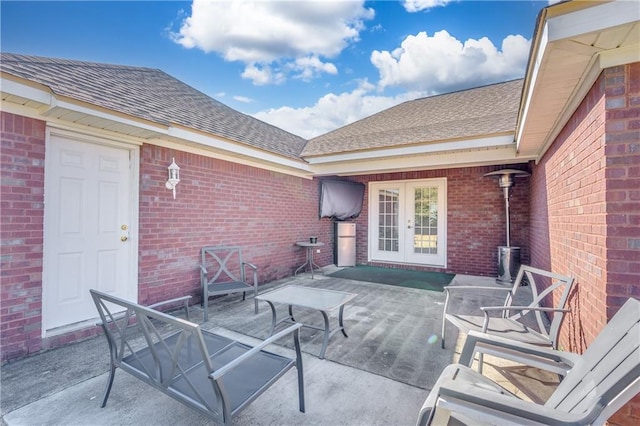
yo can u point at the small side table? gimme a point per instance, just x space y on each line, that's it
309 261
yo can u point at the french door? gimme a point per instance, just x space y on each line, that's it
407 221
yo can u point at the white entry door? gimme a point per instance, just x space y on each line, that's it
88 228
407 221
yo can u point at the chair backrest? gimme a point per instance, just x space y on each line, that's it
223 264
553 282
607 375
157 345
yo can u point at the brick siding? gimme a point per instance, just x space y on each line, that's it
585 204
22 204
221 203
475 218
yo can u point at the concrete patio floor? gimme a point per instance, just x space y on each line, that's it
65 385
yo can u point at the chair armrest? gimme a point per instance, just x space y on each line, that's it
184 299
251 265
450 289
479 342
484 403
523 308
218 373
473 287
166 302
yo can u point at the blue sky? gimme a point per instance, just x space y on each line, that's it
305 66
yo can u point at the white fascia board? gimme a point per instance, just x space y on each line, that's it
24 91
620 56
492 156
198 149
592 19
236 149
539 56
434 148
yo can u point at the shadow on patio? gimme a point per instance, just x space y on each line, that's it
380 374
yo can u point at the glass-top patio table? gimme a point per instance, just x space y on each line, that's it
308 297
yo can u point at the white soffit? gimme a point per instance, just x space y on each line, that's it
437 161
418 149
571 50
468 153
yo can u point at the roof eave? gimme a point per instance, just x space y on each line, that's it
37 101
573 43
490 150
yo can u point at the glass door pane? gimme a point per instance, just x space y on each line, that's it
388 210
425 219
425 231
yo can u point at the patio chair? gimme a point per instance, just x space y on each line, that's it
597 383
222 271
514 321
208 372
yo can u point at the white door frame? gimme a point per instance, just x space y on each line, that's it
404 208
134 159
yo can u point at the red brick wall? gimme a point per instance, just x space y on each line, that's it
475 217
622 172
585 204
221 203
568 217
22 205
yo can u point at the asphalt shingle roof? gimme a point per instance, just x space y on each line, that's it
153 95
150 94
466 114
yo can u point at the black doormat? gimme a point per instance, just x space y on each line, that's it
433 281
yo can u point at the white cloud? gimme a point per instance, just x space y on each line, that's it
269 36
422 65
311 66
331 111
262 74
420 5
442 63
243 99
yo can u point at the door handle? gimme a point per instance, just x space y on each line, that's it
124 238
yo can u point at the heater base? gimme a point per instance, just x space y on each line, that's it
508 263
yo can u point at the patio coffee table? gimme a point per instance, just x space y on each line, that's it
308 297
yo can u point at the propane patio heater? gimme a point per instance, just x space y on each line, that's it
508 257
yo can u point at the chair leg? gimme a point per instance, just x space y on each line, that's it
296 341
112 373
442 333
205 308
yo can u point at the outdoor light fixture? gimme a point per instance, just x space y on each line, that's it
174 177
508 257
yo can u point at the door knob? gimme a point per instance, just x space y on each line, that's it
124 238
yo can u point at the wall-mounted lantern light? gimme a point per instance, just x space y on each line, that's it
174 177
